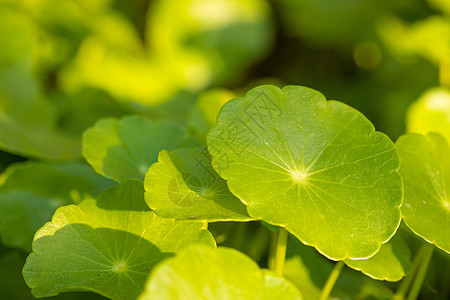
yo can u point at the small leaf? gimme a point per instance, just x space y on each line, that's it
309 271
125 149
32 191
107 246
200 272
316 167
183 185
425 167
391 263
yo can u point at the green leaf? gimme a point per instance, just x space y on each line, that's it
317 168
107 246
125 149
32 191
309 271
200 272
431 112
391 263
183 185
425 168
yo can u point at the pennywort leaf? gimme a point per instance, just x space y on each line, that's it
201 272
183 185
391 263
124 149
316 167
108 245
425 168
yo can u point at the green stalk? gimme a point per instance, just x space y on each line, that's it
272 250
421 273
326 291
279 253
259 244
406 282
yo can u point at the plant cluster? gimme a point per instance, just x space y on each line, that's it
148 150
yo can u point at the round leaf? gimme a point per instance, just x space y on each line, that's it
425 168
125 149
200 272
183 185
107 246
391 263
317 168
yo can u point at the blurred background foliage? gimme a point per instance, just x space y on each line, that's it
66 64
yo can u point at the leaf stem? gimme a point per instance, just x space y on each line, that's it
421 273
326 291
406 282
280 251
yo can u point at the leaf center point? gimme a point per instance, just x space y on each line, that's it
120 267
299 176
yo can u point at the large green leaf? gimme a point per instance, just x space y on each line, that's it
31 192
125 149
200 272
391 263
108 245
183 185
317 168
425 167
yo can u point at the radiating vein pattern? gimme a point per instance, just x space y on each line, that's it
108 245
316 167
426 173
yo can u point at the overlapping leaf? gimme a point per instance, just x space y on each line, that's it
183 185
32 191
391 263
309 271
425 167
201 272
125 149
108 245
316 167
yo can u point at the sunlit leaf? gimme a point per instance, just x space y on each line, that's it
425 168
124 149
183 185
431 112
317 168
31 192
201 272
108 245
391 263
